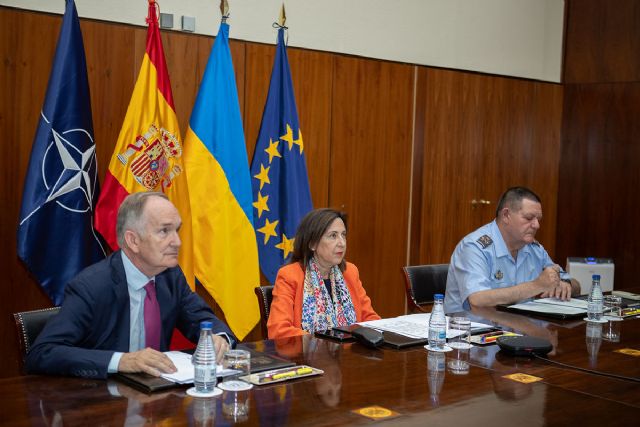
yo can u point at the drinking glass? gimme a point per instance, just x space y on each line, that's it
239 360
612 305
460 328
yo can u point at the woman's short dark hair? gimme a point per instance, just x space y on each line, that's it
310 231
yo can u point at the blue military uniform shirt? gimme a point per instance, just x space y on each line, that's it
481 261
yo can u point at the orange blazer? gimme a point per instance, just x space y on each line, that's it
285 318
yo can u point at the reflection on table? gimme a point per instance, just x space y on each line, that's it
413 385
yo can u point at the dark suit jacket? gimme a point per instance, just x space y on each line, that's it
93 322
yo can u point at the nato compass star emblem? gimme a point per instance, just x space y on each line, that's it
66 170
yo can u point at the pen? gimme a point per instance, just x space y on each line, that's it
495 337
480 331
490 337
284 375
631 312
492 334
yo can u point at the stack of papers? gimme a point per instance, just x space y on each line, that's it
185 372
413 325
553 305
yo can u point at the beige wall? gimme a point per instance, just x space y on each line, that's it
521 38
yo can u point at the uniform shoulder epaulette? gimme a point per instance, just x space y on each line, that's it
485 241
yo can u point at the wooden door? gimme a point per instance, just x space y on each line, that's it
480 135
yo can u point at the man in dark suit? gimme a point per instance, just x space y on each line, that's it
118 315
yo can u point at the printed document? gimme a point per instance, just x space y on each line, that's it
413 325
185 371
553 305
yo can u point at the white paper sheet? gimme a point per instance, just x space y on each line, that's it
552 305
413 325
185 372
573 302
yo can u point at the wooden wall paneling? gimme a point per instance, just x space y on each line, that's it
547 125
454 122
521 147
186 56
27 46
417 165
598 207
602 41
371 134
258 63
312 75
483 135
238 56
112 74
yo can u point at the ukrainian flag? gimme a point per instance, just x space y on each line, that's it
217 168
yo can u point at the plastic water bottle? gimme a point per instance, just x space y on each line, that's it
594 302
437 324
204 361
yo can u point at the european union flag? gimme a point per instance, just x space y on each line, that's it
279 172
56 238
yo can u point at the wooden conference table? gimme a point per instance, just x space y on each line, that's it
412 387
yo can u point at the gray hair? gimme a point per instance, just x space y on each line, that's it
130 213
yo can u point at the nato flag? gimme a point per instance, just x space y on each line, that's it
56 238
279 181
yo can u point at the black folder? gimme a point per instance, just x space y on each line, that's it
150 384
397 341
391 339
146 383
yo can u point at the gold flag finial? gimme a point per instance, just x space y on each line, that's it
283 16
224 8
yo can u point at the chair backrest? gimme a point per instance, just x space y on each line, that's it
422 282
264 294
29 324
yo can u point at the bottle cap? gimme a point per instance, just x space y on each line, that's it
438 296
206 325
595 277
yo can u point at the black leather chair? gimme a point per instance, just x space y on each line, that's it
264 294
422 282
29 324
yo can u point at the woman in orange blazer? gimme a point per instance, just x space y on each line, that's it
318 290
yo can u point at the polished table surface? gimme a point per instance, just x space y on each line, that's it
414 386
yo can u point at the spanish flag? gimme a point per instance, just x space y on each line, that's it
148 154
226 254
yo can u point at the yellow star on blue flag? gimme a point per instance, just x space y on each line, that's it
284 181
